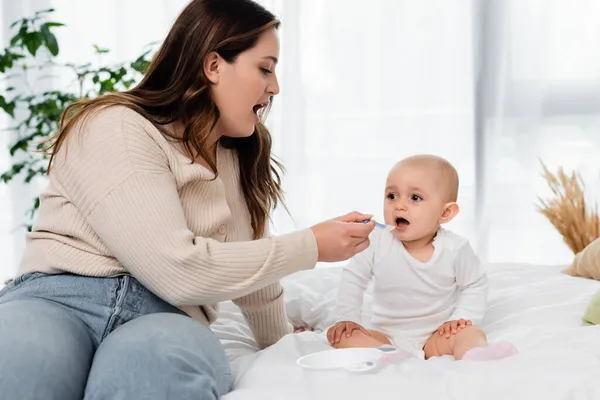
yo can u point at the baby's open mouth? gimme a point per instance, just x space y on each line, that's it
402 222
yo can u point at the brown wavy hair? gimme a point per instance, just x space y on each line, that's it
174 88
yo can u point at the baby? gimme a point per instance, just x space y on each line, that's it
429 287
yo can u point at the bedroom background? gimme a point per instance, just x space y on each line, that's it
494 86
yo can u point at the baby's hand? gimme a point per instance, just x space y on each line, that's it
334 334
451 327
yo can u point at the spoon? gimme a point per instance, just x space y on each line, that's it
365 366
379 225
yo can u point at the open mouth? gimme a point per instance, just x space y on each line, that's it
257 108
402 222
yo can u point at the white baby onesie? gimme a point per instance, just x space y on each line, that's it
411 299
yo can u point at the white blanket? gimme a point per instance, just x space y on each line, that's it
535 307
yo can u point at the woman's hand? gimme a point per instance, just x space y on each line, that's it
341 238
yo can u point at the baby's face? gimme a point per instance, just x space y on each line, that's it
413 203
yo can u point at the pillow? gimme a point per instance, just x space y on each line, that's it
587 262
592 312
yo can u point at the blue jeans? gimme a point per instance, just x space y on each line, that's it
69 337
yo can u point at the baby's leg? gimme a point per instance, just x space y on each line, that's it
468 343
359 339
457 345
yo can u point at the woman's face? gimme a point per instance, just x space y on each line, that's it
240 89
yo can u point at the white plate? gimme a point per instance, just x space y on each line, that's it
338 358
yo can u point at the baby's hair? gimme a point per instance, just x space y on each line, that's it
447 178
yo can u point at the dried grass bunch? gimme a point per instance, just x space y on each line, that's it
567 210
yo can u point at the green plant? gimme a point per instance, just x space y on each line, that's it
35 112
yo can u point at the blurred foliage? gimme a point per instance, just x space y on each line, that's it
31 58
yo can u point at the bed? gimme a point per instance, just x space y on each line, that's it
537 308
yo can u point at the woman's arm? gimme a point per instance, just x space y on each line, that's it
142 224
265 312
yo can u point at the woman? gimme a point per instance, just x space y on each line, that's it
156 210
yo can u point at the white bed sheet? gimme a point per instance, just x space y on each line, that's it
537 308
